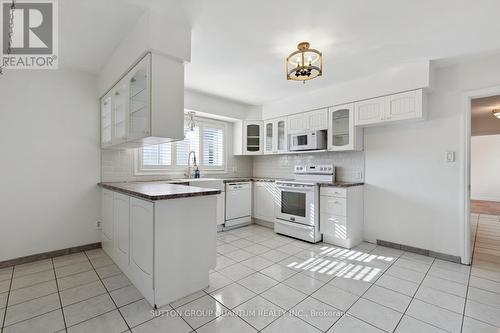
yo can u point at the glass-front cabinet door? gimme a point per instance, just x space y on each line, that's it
139 100
106 107
269 137
120 113
342 135
252 137
281 136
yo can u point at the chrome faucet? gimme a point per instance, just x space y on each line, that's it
190 174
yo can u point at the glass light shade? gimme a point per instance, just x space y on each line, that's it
304 64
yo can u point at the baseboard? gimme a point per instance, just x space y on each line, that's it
424 252
263 223
50 254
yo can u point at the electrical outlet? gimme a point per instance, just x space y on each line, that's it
358 175
98 225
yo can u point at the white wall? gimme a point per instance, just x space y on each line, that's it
485 167
151 32
49 141
197 101
411 195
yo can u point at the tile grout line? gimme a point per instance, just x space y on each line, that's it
372 284
59 296
107 291
470 274
259 294
7 301
413 297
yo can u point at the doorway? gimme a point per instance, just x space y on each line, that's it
484 175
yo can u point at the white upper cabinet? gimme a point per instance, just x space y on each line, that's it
106 127
281 137
402 106
342 134
139 101
249 138
308 121
317 120
371 111
407 105
275 136
146 106
269 134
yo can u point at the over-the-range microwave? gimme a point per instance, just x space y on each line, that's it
314 140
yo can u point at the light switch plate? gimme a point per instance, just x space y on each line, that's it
450 156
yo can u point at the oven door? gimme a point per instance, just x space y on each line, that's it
296 203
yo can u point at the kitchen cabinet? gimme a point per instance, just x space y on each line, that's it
147 240
341 215
396 107
106 135
141 243
248 137
275 136
265 198
146 106
308 121
121 223
342 134
107 220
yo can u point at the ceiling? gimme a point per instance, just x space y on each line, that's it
238 47
483 121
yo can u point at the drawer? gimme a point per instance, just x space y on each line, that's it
333 205
333 226
334 192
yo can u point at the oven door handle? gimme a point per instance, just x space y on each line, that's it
302 188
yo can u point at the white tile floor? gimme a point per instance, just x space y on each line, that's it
269 283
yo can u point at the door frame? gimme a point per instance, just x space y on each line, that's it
466 167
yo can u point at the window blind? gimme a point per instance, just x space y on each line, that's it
158 155
190 142
213 146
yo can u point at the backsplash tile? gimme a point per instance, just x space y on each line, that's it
118 166
347 164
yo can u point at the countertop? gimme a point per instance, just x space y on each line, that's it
341 184
158 190
257 179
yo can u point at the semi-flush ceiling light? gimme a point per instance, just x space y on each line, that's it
496 113
304 64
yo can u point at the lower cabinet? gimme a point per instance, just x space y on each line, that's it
141 242
107 221
151 242
121 221
341 215
265 195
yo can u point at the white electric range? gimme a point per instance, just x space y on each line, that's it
297 212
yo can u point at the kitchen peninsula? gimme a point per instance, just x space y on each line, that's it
161 235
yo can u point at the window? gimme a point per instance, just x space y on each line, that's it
207 140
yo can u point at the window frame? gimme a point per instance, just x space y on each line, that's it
202 122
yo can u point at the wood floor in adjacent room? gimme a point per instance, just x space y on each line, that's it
485 207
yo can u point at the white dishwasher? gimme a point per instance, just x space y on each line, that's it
238 204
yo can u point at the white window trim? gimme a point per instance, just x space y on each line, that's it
181 170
